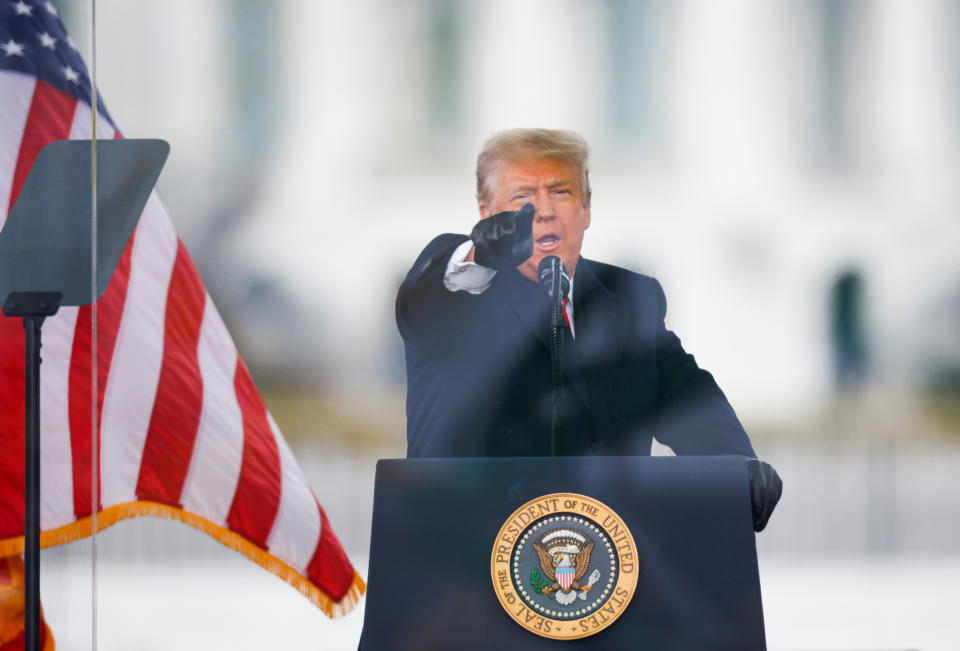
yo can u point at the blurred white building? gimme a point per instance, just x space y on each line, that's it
787 169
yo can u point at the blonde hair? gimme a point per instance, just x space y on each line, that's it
518 144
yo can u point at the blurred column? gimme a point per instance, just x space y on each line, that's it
912 101
836 27
533 64
348 105
730 113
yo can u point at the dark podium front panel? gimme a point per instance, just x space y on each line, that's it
435 522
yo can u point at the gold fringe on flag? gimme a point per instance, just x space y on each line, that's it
113 514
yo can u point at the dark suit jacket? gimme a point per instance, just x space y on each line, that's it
479 375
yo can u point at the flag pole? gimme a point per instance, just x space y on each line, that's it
33 307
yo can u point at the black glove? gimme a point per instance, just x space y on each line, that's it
504 240
765 489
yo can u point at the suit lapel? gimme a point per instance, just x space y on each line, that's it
527 301
601 324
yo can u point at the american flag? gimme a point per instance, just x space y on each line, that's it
183 431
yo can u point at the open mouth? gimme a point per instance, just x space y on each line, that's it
548 242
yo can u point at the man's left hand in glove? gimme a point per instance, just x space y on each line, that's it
765 490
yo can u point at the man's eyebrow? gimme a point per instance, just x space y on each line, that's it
529 187
525 186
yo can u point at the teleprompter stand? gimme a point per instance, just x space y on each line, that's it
52 254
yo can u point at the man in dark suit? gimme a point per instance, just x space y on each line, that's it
475 325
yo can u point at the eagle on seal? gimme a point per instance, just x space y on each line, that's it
564 558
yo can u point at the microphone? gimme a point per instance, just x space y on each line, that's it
556 284
553 277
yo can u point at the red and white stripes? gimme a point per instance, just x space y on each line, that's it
212 477
181 423
138 355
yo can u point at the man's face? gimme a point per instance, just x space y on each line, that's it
563 213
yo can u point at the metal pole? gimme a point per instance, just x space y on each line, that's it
31 534
558 442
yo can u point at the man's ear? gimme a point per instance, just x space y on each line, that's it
484 211
586 213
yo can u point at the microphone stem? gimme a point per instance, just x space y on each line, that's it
558 443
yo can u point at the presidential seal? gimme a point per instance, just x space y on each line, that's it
564 566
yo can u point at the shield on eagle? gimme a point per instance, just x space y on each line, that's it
564 555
